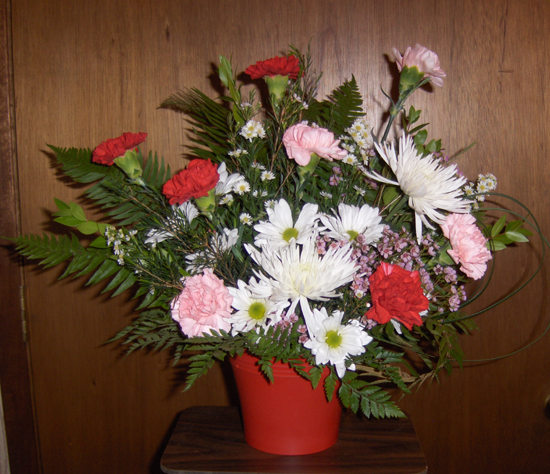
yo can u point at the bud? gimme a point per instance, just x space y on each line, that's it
410 78
277 86
129 163
207 204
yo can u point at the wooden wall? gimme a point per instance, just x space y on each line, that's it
86 71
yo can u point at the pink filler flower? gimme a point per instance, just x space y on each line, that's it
425 60
468 244
302 140
203 305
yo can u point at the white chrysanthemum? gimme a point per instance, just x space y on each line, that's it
281 230
331 341
350 160
254 307
226 181
267 175
220 243
299 273
245 218
182 214
241 186
226 199
359 190
252 130
353 221
430 186
237 153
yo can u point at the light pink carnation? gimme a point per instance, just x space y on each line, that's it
204 304
425 60
468 244
302 140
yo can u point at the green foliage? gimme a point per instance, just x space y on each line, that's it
52 251
210 120
372 400
340 110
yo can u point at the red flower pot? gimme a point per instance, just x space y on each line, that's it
288 416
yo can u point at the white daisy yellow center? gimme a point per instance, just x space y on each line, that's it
333 339
256 311
290 233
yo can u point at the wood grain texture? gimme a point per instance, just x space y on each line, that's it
14 370
211 440
87 71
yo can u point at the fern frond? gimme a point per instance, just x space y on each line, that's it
210 121
340 110
77 164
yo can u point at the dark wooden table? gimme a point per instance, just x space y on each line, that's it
210 440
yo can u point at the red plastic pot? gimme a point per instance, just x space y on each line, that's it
288 416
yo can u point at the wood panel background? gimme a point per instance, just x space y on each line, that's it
87 71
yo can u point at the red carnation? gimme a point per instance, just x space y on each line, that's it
285 66
106 153
196 181
396 294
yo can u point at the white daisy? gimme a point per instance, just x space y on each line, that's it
267 175
299 273
226 199
252 130
359 190
353 221
238 152
281 230
253 305
429 185
241 186
350 160
331 341
245 218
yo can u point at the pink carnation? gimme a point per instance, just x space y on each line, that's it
425 60
468 244
203 305
302 140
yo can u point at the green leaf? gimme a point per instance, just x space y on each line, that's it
445 258
99 243
390 194
516 236
496 244
77 212
87 227
499 225
68 221
421 137
61 205
431 147
414 115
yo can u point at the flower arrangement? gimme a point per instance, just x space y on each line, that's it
297 232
